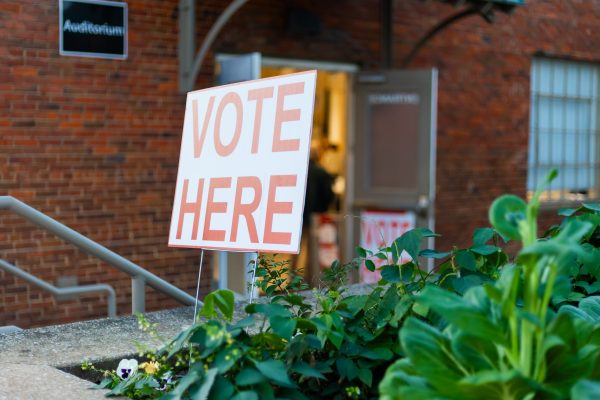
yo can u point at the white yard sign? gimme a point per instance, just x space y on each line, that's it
243 164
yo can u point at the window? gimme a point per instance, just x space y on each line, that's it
563 129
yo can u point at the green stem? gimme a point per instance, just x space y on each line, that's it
540 365
527 328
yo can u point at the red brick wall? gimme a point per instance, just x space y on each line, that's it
483 90
484 96
94 143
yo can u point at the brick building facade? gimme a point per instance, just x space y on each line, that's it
94 143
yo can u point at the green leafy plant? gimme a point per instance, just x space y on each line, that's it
502 340
477 325
580 277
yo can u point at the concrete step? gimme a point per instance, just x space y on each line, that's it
9 329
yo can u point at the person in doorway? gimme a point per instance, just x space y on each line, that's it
319 196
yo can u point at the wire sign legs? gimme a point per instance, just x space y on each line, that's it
252 283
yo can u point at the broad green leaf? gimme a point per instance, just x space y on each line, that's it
466 282
482 235
391 273
269 310
283 326
245 395
407 271
589 288
461 313
201 391
379 353
400 383
226 359
222 388
426 232
346 368
355 303
221 299
124 385
385 308
243 323
147 381
586 390
248 377
304 369
264 391
498 385
194 374
293 299
591 306
575 312
592 206
291 394
410 242
572 359
336 338
430 253
505 213
361 252
182 339
370 265
211 335
428 351
420 309
105 383
400 310
562 289
477 353
567 212
276 371
366 376
565 243
465 259
590 262
485 249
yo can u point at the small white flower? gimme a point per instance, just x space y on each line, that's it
165 381
127 368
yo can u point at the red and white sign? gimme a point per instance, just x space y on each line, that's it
243 165
379 229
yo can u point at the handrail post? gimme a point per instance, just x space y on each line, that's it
89 246
138 294
111 299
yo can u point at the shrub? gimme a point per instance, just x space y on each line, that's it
478 326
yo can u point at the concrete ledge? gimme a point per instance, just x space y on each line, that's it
30 359
36 382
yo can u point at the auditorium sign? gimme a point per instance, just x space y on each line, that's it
93 28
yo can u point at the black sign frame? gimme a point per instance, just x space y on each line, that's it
103 39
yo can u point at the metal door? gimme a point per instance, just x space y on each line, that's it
391 158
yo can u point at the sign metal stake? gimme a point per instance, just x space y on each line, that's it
197 294
198 285
253 279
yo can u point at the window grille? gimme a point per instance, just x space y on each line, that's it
563 129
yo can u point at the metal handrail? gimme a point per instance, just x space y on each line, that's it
111 296
139 276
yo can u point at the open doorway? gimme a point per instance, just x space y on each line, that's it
323 240
331 123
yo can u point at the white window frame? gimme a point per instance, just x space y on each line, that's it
564 129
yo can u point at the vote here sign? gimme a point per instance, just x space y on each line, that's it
243 165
